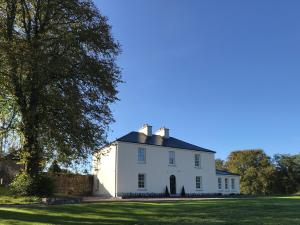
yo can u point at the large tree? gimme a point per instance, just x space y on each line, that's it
255 168
58 73
287 173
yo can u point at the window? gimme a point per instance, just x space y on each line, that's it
171 158
226 183
141 155
197 160
232 183
220 183
198 182
141 180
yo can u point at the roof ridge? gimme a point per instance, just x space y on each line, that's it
157 140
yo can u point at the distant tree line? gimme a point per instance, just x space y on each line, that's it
262 174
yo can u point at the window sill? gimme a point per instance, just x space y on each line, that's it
198 167
142 189
141 162
174 165
199 189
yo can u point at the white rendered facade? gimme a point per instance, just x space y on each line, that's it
126 167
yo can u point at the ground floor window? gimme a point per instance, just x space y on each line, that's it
226 183
220 183
141 180
232 183
198 182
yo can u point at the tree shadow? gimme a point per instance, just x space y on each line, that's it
229 211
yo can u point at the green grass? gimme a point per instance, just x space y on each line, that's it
7 198
264 210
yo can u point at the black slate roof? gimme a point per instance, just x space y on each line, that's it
140 138
223 172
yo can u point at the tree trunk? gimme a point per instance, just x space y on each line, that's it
31 153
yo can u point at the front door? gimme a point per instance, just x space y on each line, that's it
172 185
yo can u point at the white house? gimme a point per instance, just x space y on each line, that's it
142 162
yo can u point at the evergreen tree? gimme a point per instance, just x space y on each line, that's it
183 192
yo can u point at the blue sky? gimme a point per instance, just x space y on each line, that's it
224 75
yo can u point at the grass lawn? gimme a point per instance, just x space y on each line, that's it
268 210
7 198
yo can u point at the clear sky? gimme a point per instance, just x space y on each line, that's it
223 75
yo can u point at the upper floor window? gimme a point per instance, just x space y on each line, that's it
141 155
171 158
141 180
220 183
226 183
232 183
197 160
198 182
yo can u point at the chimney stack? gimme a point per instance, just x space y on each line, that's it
163 132
146 129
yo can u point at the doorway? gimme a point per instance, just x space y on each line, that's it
172 185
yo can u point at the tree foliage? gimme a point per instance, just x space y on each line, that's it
261 174
58 77
255 168
220 164
287 173
54 168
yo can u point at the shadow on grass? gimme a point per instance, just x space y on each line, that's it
229 211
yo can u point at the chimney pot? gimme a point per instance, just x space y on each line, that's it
163 132
146 129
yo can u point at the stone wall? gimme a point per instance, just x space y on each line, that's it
72 184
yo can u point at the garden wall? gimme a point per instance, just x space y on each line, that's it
72 184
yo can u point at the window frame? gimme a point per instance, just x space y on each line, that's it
220 185
199 183
199 161
226 184
232 180
140 149
172 158
141 181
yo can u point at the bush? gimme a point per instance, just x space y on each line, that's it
22 184
4 191
25 185
183 192
167 193
142 195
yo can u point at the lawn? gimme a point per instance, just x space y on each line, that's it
269 210
7 198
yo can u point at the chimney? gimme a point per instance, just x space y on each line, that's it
163 132
146 129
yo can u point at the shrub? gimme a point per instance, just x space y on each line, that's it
4 191
22 184
167 194
182 192
43 186
39 185
141 195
